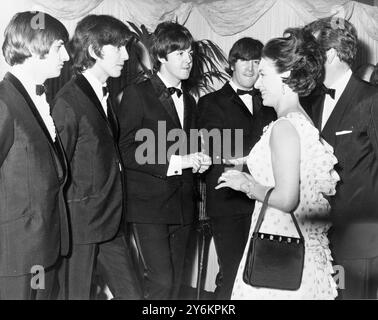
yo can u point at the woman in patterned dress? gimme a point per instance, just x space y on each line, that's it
293 159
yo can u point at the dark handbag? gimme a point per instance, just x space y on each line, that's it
274 261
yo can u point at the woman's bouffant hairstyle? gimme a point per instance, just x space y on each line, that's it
31 32
336 33
299 53
167 38
96 31
244 49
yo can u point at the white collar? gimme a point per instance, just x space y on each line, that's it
236 87
95 84
166 82
341 84
27 81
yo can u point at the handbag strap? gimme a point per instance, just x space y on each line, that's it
263 211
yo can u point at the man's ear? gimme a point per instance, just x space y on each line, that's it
331 55
92 52
162 60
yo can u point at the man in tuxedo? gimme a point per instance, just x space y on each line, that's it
345 110
235 106
33 168
160 197
88 126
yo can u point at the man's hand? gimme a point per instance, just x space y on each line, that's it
199 162
205 162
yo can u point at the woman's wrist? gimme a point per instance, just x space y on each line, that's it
254 190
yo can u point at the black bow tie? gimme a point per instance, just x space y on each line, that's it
173 90
252 92
329 91
40 89
105 91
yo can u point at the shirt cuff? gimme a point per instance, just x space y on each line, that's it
175 166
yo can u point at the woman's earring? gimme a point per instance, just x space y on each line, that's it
283 89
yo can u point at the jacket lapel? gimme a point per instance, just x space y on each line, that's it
187 112
345 102
113 120
10 77
257 103
235 99
59 156
166 99
84 85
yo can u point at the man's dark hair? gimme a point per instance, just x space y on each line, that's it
167 38
299 53
336 33
96 31
244 49
31 32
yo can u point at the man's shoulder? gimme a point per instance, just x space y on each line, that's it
70 96
218 95
8 93
69 89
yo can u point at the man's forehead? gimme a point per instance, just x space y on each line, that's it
248 60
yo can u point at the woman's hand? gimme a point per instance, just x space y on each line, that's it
232 179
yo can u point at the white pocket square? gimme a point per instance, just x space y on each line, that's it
340 133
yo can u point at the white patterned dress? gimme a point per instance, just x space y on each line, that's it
317 178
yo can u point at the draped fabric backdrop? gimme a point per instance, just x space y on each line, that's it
222 21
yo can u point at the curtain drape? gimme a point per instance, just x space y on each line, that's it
222 21
224 17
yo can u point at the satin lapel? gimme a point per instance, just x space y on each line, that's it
317 111
84 85
345 102
257 104
235 99
59 158
165 99
10 77
62 157
187 112
113 119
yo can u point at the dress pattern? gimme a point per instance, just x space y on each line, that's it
317 179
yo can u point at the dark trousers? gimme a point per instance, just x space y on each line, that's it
230 238
21 287
162 251
110 260
361 279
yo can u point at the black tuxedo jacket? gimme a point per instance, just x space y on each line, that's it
152 197
224 109
94 188
33 171
352 130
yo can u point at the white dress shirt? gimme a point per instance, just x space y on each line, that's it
175 162
329 103
39 101
97 87
246 98
179 102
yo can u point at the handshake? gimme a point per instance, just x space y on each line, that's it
199 162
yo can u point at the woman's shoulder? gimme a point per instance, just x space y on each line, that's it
302 123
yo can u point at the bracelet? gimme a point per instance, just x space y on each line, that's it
247 189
